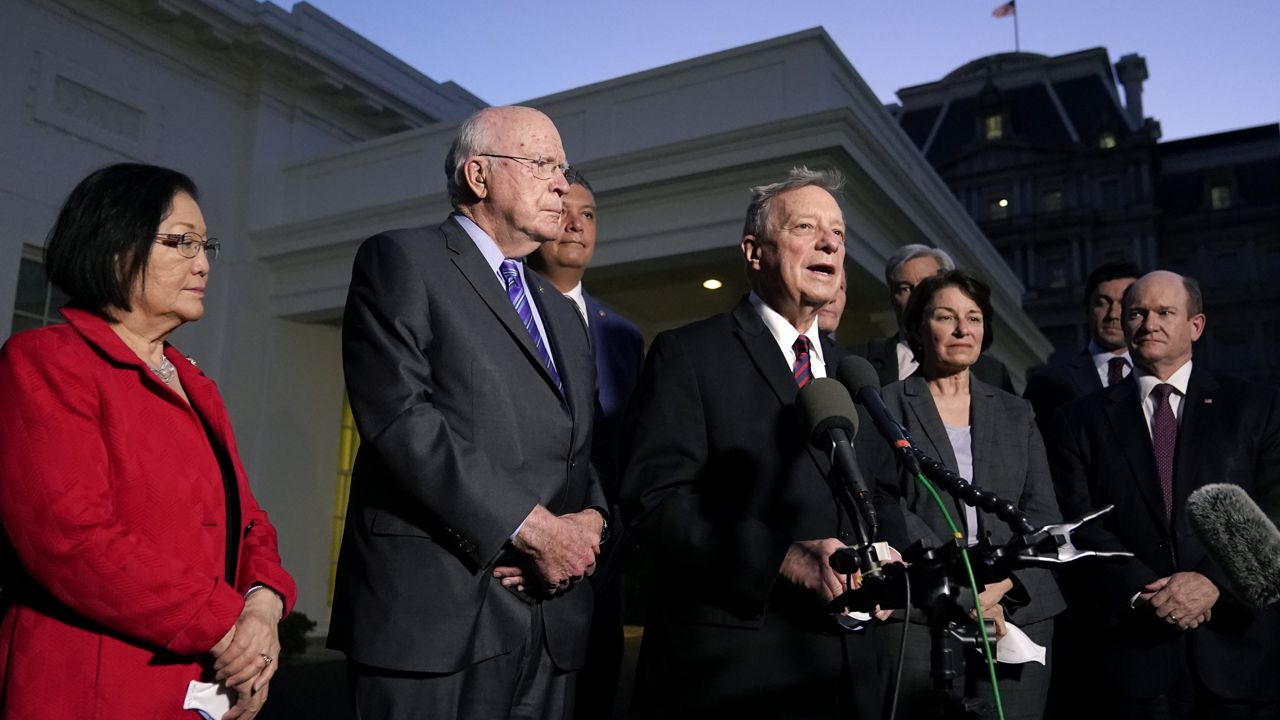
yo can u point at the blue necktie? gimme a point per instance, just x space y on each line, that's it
510 270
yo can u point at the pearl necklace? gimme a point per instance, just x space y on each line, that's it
166 371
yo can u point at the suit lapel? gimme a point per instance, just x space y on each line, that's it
472 265
1129 427
1084 374
888 365
982 425
554 320
924 415
763 351
1196 432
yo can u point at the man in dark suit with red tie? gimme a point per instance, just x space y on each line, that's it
1170 639
474 512
732 500
1103 362
618 348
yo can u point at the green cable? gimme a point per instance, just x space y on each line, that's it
973 584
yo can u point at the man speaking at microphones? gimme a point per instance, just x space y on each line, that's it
733 502
1173 639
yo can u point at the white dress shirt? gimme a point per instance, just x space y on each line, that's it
1102 362
1147 381
785 335
907 363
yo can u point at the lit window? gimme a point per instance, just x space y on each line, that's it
1220 196
995 127
37 300
1051 201
998 209
1107 140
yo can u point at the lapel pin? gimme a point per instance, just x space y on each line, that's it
1208 401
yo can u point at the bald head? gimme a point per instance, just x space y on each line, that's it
1163 317
506 172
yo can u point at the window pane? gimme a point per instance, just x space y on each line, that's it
31 288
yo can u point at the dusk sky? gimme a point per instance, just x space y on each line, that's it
1213 65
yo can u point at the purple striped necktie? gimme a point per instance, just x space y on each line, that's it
802 370
1164 440
510 270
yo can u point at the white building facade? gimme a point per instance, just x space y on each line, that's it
305 138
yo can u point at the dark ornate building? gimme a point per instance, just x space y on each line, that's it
1062 175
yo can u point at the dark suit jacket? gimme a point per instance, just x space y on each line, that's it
619 353
1100 453
462 433
1060 382
1008 460
882 353
724 481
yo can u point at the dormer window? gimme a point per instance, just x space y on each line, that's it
994 127
1220 196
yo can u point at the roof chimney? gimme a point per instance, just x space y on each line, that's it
1132 70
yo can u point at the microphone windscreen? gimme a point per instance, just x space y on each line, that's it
855 373
1240 537
825 405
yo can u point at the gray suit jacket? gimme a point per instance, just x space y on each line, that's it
462 433
1008 460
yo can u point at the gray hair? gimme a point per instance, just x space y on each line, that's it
473 135
907 253
757 223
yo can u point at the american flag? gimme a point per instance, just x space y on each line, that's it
1005 10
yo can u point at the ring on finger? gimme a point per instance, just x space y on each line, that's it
266 659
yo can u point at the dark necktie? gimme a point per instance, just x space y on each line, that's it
515 293
1164 440
1115 370
802 370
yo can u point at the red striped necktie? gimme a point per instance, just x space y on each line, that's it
802 370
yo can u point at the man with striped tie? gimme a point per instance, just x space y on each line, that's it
474 511
733 502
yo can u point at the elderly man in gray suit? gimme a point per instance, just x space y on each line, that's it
473 509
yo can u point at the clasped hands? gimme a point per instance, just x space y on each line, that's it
1184 599
807 566
245 659
552 552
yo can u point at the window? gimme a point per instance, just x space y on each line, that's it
998 209
1109 194
1220 196
1226 268
1051 201
37 301
1054 272
1107 140
994 126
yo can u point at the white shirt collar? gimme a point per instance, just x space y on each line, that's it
575 294
1102 357
1147 381
485 244
785 335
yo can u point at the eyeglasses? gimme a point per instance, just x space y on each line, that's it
189 244
543 168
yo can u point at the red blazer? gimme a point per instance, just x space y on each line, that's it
114 518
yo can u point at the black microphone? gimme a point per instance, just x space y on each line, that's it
1241 538
827 411
863 383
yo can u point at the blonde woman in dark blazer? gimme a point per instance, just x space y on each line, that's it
988 436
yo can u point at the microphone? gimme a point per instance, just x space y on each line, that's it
1241 538
827 411
862 382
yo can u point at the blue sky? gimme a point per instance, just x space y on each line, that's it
1213 65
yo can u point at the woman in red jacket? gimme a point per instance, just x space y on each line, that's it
133 559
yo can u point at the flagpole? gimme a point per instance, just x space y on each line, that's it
1017 46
